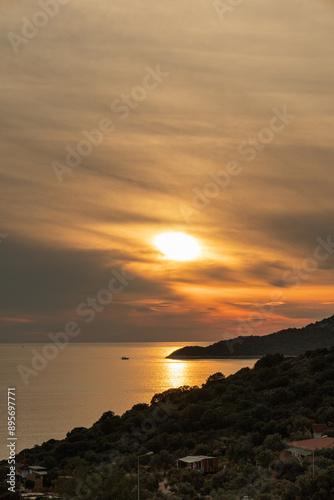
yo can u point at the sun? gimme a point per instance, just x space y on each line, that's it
178 246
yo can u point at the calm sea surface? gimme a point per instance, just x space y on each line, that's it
85 380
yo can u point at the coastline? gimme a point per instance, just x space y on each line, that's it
185 358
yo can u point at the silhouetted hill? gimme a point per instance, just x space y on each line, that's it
292 341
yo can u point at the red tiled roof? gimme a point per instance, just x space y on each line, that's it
320 428
313 444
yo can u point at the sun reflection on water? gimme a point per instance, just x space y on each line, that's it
177 373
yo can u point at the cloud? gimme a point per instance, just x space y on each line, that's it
223 85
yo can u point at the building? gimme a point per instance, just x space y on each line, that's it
36 496
306 447
201 462
34 473
318 430
37 474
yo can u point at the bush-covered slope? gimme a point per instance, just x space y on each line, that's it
243 419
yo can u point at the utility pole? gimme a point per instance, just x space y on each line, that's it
145 455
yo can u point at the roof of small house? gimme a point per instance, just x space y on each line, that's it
318 428
312 444
196 458
37 469
299 451
34 496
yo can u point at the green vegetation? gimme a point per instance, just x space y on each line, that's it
243 419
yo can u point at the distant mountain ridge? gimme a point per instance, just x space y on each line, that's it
290 342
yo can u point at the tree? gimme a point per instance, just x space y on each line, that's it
163 460
269 360
241 449
216 377
274 442
263 456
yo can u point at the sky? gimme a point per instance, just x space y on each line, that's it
124 119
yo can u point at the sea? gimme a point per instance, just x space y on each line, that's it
59 389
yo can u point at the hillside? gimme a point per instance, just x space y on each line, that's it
243 420
290 342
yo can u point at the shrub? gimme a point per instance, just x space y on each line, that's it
269 360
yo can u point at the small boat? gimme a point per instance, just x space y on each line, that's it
124 357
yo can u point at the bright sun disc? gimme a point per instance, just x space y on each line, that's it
178 246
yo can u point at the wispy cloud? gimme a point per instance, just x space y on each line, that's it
225 79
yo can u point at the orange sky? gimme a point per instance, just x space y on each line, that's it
216 126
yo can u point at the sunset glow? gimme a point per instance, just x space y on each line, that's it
189 146
178 246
